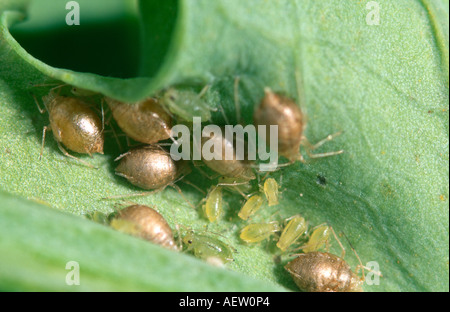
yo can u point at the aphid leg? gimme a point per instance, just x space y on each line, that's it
339 242
134 194
103 116
73 157
45 85
210 177
223 114
43 139
38 106
52 90
203 91
194 186
178 235
234 185
311 147
308 235
116 137
177 188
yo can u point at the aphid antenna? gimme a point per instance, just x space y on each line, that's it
237 105
177 188
234 184
360 266
54 84
133 194
223 114
203 91
37 104
203 172
116 136
311 147
194 186
300 93
339 242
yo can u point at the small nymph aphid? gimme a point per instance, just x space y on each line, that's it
295 228
145 121
187 104
74 124
213 207
250 207
207 247
257 232
271 191
318 239
147 223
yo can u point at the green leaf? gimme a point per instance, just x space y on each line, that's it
385 86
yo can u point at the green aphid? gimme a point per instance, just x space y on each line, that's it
187 104
295 228
254 233
213 207
206 247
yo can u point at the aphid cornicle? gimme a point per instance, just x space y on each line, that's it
323 272
206 247
257 232
147 223
149 167
295 228
145 121
74 124
279 110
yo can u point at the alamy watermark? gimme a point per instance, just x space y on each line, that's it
227 143
73 16
73 276
373 16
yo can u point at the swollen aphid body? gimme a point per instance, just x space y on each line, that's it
149 167
279 110
145 121
147 223
323 272
74 124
